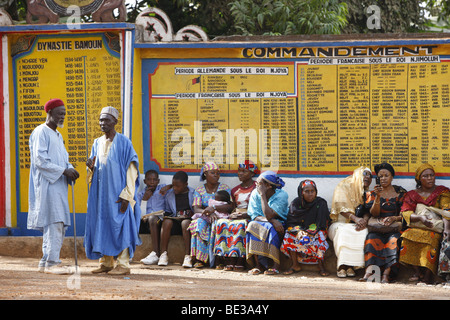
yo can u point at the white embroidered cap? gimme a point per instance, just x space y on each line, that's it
112 111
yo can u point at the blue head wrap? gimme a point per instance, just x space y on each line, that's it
272 178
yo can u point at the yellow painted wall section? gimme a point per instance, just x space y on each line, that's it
303 109
137 133
82 70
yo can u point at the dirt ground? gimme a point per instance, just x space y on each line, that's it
19 279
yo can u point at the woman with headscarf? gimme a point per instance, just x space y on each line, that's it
267 208
240 194
305 240
420 247
200 228
229 234
349 228
384 204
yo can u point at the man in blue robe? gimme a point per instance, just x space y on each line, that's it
113 218
50 174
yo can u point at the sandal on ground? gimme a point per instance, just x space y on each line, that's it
254 271
324 273
350 272
228 267
220 267
291 271
271 272
342 273
365 278
238 268
198 265
414 278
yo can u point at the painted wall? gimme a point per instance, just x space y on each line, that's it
312 109
307 109
84 68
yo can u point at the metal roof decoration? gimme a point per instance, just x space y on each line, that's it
153 25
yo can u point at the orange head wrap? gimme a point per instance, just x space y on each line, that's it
421 169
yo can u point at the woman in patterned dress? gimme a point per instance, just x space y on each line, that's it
307 222
381 249
420 247
229 234
200 228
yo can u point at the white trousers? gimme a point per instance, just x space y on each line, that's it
52 242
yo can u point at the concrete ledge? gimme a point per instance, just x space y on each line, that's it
31 247
176 253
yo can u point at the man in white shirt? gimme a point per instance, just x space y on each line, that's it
50 174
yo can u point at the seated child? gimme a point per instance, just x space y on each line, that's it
154 194
220 198
179 210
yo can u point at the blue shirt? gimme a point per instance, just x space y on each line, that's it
278 202
171 204
156 202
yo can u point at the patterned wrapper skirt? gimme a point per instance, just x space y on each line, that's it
420 248
381 249
263 240
228 237
200 235
310 248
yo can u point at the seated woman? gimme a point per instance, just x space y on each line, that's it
305 240
348 230
267 208
221 198
200 228
229 234
419 246
381 248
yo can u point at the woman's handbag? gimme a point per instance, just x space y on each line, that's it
435 216
376 225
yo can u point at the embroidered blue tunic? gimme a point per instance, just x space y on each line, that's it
108 231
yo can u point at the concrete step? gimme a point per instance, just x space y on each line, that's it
31 247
